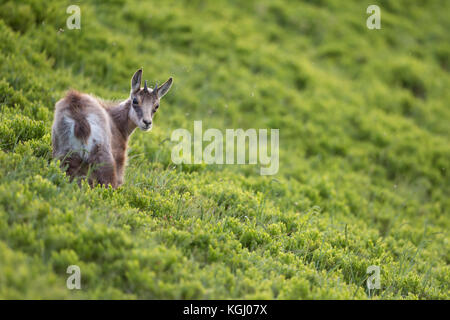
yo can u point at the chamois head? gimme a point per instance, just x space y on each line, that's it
145 101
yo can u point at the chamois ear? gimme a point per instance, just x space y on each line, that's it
161 91
136 81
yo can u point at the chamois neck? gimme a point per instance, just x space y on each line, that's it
121 118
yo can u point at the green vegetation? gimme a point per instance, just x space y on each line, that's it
364 151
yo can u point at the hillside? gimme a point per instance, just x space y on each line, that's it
363 163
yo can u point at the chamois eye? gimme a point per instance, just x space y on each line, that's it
135 101
156 107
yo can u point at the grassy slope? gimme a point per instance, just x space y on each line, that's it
363 161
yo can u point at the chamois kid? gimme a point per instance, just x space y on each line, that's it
90 136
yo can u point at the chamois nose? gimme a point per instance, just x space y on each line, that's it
147 122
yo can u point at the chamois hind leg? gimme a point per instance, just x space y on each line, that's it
104 171
75 167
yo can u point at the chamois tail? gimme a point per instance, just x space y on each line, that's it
82 129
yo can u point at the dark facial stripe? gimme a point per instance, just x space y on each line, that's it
139 112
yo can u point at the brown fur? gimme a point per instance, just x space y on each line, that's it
121 129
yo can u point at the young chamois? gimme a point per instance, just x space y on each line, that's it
90 136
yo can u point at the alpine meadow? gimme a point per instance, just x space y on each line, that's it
364 151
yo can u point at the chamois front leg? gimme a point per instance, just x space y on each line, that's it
120 168
104 171
119 174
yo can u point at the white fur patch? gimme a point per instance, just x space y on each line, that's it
75 145
98 135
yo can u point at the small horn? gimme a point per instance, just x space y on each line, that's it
145 86
156 87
